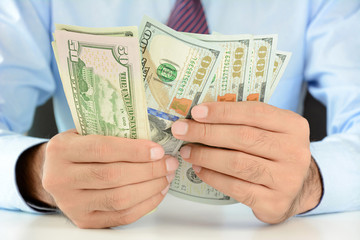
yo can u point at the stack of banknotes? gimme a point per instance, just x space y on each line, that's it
119 82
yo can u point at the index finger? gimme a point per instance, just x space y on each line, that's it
103 149
256 114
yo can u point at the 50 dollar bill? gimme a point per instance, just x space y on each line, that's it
101 75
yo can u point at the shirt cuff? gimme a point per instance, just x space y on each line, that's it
338 159
11 147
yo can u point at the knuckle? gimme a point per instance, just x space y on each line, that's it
100 149
248 168
226 111
118 201
263 108
302 124
265 140
199 155
301 156
301 120
262 139
236 164
105 174
245 196
249 199
273 144
247 136
49 183
256 172
206 131
141 150
251 137
155 168
53 182
55 146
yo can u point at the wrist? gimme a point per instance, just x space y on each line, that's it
312 189
29 171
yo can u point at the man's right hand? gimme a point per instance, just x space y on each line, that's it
102 181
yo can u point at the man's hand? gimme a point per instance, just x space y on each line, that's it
100 181
256 153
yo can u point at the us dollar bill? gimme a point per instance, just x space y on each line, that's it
228 84
177 71
189 186
261 68
281 61
101 75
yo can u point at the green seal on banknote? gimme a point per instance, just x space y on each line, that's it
191 175
166 72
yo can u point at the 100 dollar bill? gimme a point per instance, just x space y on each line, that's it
281 61
228 84
177 70
101 76
261 68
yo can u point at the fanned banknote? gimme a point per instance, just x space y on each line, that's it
281 61
177 70
261 68
101 75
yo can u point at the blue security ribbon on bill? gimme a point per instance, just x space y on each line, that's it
161 114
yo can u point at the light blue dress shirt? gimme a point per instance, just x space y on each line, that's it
324 37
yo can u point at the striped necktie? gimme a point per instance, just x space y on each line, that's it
188 16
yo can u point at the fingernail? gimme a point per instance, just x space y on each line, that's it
170 177
185 151
171 164
163 192
199 111
156 153
179 128
197 169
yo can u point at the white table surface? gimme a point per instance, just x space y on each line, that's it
180 219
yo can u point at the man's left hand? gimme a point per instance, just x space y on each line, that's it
256 153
